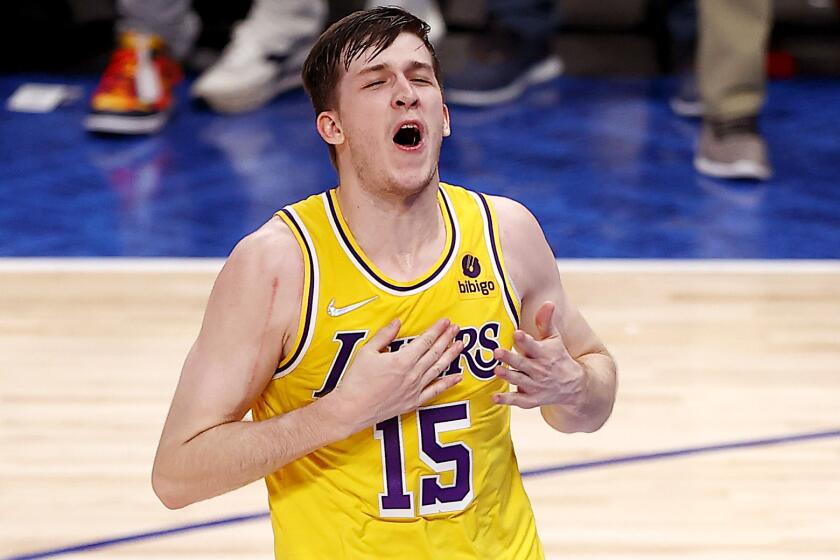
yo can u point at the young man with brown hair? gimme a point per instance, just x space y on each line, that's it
370 330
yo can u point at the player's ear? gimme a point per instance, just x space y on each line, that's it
329 127
446 129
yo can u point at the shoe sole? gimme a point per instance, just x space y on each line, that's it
119 124
243 102
688 109
741 169
537 74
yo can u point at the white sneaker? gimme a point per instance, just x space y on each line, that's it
246 77
427 10
686 102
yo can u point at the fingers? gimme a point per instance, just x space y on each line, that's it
437 387
517 378
442 363
385 335
530 347
522 400
526 344
514 360
415 349
433 354
545 321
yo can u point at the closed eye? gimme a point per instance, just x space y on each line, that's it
374 84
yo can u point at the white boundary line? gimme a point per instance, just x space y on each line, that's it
175 265
115 264
725 266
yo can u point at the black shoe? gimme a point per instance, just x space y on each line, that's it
499 69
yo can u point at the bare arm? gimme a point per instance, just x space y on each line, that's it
206 448
561 365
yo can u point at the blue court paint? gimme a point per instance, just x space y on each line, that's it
644 457
602 162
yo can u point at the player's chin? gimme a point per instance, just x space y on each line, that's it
414 179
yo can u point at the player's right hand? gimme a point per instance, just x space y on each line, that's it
380 384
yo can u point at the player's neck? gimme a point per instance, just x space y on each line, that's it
402 235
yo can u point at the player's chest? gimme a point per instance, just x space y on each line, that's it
331 354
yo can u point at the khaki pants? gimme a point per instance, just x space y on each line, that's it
731 56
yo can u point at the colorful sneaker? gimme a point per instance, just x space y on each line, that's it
134 95
733 150
500 68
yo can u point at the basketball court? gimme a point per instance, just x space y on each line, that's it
720 302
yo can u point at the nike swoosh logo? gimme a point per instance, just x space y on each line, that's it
334 311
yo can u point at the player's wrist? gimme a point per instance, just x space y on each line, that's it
341 414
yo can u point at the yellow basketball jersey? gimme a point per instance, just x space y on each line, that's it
438 482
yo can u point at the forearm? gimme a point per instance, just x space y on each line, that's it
594 405
231 455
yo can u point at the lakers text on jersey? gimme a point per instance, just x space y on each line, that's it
438 482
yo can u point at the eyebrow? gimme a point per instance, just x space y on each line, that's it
413 65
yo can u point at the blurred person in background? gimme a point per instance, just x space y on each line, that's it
682 21
730 73
731 70
262 60
512 54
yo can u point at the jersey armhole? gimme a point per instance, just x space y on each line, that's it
494 248
309 303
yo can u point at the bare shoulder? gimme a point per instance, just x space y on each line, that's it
518 227
271 251
528 256
265 269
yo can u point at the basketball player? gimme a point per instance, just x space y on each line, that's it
370 331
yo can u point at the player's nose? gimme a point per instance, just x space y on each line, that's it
404 94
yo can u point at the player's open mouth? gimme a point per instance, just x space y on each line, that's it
409 135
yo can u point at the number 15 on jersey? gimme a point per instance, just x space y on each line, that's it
456 457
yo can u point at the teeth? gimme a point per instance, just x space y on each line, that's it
408 135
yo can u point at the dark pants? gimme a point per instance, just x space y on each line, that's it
532 20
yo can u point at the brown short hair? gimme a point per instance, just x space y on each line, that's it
346 40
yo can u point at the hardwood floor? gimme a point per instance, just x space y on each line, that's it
89 357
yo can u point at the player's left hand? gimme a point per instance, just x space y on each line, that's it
543 371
